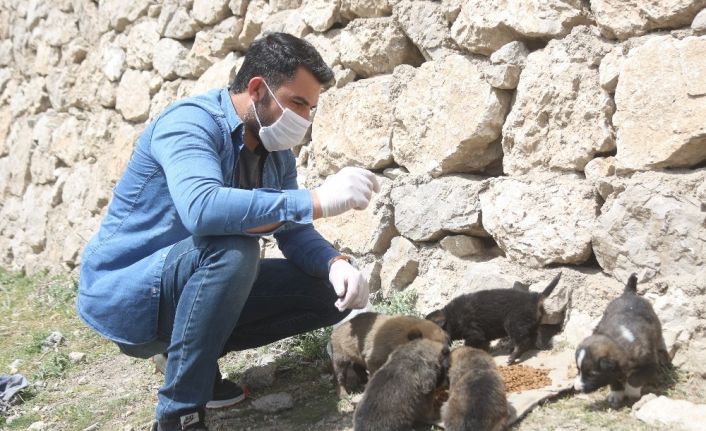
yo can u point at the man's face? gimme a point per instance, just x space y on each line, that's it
301 95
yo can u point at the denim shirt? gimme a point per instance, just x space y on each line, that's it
178 183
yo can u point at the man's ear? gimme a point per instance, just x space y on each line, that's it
256 88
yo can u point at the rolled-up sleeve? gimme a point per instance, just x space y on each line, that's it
186 143
303 244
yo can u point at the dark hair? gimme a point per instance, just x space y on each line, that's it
276 57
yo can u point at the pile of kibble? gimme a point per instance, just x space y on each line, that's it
521 377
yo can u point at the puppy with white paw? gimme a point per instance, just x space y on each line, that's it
626 349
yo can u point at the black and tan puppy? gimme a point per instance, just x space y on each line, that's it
365 342
477 400
626 349
401 392
481 317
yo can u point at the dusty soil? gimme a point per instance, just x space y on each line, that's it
113 392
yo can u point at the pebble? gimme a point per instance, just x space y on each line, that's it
273 403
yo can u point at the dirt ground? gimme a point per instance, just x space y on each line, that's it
109 391
120 394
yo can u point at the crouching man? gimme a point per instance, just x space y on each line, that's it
175 267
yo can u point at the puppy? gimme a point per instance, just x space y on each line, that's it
402 391
480 317
364 343
626 348
477 400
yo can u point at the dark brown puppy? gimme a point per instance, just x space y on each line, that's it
402 391
477 400
364 343
626 349
481 317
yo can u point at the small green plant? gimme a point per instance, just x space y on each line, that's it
400 303
311 345
35 346
55 365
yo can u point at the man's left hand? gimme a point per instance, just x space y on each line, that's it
349 284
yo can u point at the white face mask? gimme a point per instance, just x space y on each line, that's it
286 132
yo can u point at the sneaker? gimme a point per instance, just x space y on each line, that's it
193 421
225 392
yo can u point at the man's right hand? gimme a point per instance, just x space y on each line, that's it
346 189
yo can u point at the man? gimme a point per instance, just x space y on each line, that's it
175 267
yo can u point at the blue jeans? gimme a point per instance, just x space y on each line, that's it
218 296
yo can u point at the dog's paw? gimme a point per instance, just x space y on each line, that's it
615 398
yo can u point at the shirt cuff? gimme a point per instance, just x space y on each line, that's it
299 206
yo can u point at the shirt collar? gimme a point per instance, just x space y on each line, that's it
232 118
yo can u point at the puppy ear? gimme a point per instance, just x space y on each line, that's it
413 334
438 317
606 364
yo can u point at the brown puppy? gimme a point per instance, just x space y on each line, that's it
364 343
402 391
480 317
626 348
477 400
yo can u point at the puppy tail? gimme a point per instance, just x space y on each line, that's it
548 290
631 286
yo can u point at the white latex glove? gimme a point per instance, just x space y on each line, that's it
348 188
349 284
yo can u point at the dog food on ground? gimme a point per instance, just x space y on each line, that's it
519 378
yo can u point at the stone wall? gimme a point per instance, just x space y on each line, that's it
512 138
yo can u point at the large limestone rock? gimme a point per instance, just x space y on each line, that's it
352 9
364 231
371 46
122 13
561 116
656 221
425 24
484 26
220 40
141 41
210 11
667 413
15 176
133 98
399 266
678 311
175 22
288 21
169 59
447 118
321 14
622 20
219 75
30 98
462 245
540 222
661 103
327 46
113 62
257 13
351 129
425 210
58 29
